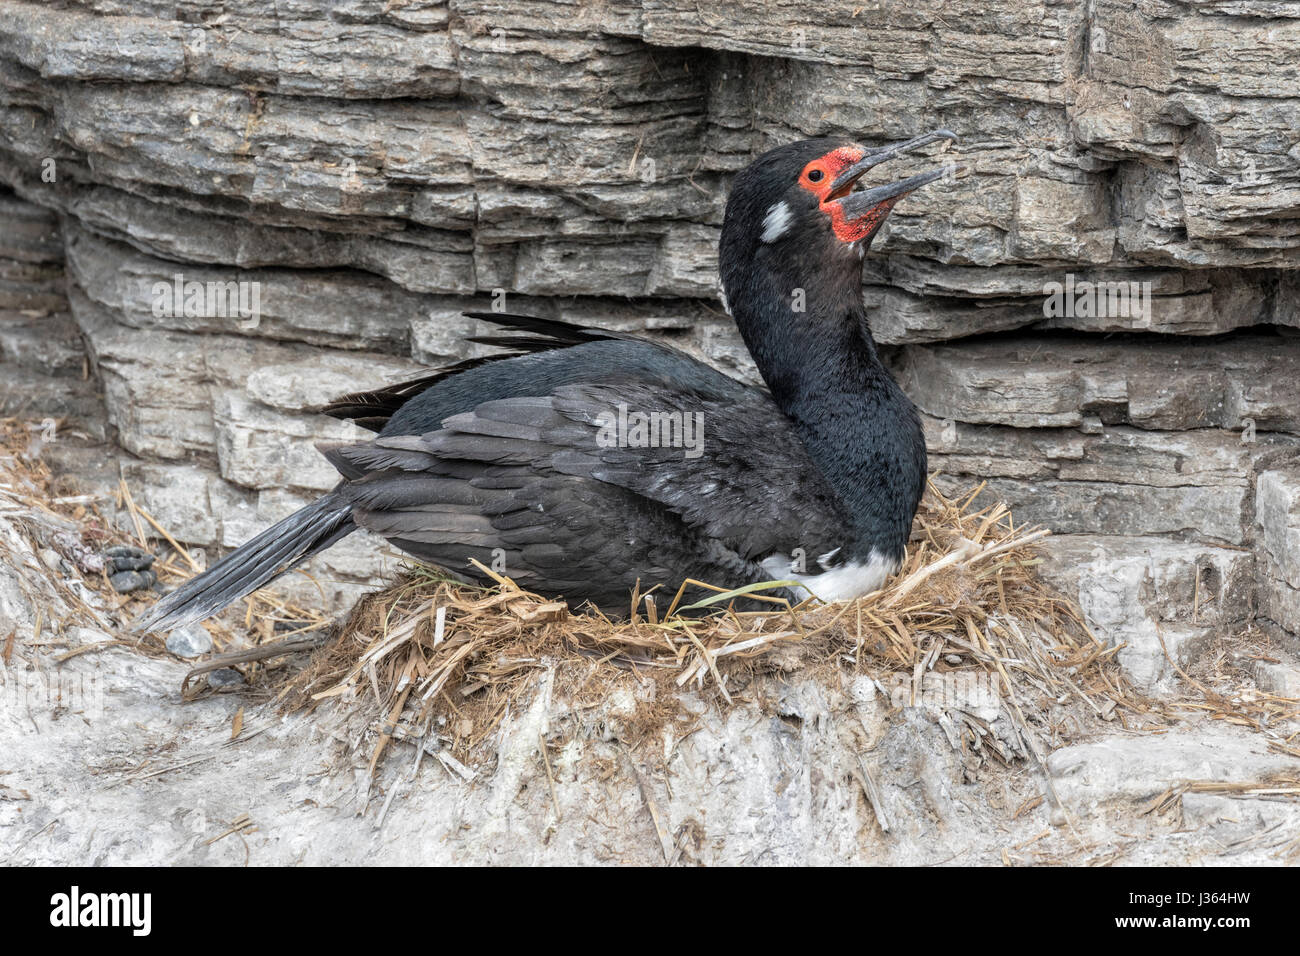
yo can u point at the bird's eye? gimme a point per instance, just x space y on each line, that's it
815 175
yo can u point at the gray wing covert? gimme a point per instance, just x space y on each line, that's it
571 503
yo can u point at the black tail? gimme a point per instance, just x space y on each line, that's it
255 563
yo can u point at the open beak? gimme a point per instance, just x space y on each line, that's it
856 205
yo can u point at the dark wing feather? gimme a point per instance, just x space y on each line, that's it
555 333
372 409
752 477
528 479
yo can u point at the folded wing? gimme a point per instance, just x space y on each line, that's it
595 488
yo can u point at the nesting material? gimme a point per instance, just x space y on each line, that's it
439 663
71 531
1214 688
966 602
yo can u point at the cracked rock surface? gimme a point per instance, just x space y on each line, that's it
371 168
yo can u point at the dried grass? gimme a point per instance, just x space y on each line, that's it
429 649
1221 687
967 600
55 516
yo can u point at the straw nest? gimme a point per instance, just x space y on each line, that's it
430 655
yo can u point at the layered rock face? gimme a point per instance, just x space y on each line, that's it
1099 321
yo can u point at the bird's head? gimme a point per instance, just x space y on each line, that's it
802 206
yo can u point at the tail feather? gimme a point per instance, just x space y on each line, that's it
253 565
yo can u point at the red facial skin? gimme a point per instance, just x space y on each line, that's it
817 177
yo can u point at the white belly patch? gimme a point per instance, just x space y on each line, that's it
844 583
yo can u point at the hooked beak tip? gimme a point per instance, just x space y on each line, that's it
857 204
885 153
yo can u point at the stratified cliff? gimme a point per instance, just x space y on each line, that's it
375 166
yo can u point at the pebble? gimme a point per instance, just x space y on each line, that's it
123 557
126 581
189 642
225 677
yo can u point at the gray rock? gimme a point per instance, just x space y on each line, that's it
1277 514
1130 770
1249 382
46 343
1273 677
35 396
1164 600
224 677
259 447
124 582
189 642
374 169
278 135
1194 484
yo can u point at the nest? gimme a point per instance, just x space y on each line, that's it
431 655
432 660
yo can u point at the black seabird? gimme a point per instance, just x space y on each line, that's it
544 460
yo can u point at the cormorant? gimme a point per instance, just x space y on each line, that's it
552 456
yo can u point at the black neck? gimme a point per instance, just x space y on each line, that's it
825 374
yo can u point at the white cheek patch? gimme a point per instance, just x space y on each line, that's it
777 221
